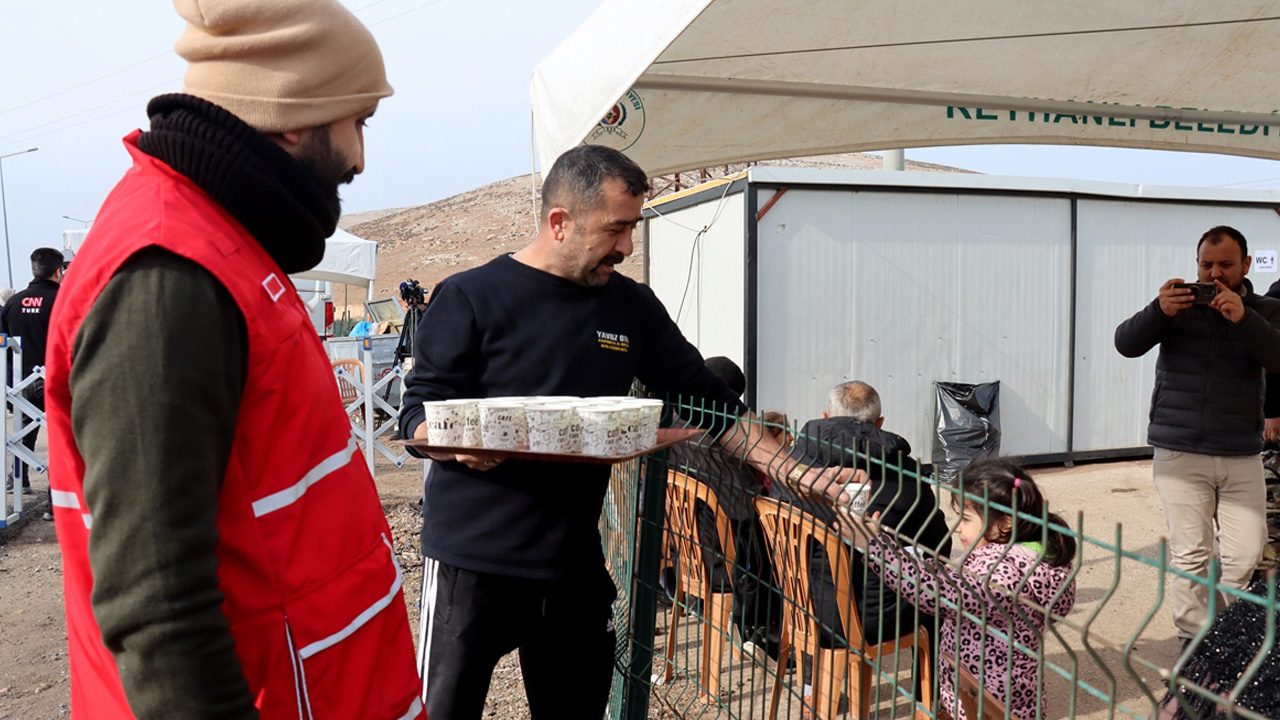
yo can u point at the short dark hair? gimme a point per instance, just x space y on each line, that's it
576 177
1216 235
45 262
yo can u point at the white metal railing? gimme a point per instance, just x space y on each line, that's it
26 418
366 430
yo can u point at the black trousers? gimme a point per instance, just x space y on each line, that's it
757 605
562 628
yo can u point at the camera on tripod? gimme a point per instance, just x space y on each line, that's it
415 301
413 294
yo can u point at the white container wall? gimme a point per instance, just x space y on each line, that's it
1126 251
900 290
903 279
706 297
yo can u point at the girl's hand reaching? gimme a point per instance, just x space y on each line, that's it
859 531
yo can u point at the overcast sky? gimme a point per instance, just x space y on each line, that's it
77 75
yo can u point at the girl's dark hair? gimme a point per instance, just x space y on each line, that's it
996 479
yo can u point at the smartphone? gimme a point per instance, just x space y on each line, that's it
1201 293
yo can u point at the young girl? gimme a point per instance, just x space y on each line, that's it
1008 570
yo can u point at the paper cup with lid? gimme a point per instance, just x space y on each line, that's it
601 429
502 424
551 427
445 421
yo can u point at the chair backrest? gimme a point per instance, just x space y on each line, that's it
683 495
968 688
791 532
352 381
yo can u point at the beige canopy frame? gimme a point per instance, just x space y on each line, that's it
681 84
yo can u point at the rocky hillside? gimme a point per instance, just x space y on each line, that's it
431 242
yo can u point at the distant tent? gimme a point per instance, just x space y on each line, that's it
347 259
681 84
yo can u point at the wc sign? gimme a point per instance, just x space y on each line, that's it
1264 261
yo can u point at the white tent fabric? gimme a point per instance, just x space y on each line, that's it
683 84
347 259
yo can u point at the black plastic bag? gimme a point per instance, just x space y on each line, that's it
967 422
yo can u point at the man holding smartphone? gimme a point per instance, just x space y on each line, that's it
1206 416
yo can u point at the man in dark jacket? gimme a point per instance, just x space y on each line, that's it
26 315
850 434
757 611
1207 417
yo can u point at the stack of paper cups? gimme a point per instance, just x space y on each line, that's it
601 429
502 423
629 428
550 428
471 426
446 422
522 428
650 415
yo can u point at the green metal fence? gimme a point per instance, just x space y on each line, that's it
678 657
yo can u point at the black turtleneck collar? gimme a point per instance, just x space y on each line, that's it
281 202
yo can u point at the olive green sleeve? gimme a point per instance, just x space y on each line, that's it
157 375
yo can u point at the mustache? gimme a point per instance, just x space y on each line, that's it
613 258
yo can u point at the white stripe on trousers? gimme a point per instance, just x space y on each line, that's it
426 620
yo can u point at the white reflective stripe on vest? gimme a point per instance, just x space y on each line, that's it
88 521
363 617
290 495
65 499
414 710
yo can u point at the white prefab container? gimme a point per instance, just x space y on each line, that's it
809 278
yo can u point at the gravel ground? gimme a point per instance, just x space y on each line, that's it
34 684
33 665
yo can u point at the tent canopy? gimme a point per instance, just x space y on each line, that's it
683 84
347 259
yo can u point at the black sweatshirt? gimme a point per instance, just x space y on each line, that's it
509 329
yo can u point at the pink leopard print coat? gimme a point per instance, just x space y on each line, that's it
985 588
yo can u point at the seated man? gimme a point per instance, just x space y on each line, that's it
757 608
850 434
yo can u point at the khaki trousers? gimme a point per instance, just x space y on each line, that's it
1197 490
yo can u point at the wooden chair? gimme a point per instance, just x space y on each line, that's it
968 688
693 578
350 382
789 532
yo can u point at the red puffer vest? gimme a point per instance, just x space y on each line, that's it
305 561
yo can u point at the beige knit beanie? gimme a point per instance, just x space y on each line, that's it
280 64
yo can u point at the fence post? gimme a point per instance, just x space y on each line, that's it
11 482
644 599
366 357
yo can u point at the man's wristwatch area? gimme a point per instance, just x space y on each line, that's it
793 478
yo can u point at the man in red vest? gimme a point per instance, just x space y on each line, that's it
224 547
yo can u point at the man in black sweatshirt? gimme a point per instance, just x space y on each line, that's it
26 315
513 553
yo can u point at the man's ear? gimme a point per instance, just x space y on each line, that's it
290 139
560 221
880 422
